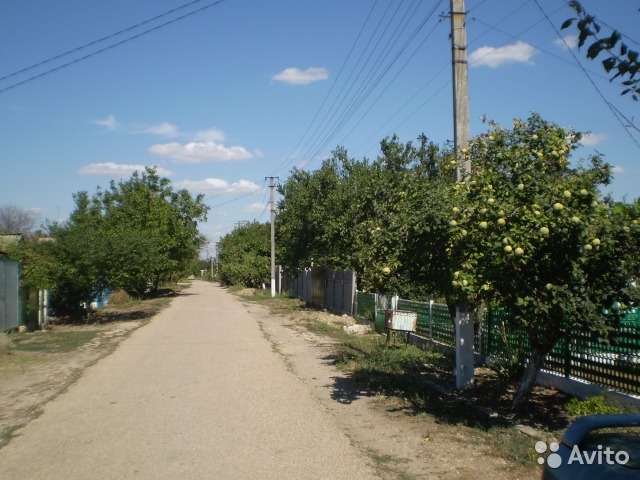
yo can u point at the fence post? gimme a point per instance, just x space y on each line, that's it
375 307
567 356
464 348
431 320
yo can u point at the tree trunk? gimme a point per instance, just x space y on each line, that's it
534 364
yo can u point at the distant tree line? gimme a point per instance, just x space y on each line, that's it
133 236
244 256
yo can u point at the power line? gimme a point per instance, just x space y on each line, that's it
230 191
109 47
333 84
94 42
373 81
237 198
373 69
593 84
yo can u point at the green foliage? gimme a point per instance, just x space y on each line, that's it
619 60
245 256
531 233
595 405
509 367
132 236
374 217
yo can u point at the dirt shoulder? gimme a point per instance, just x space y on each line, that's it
403 443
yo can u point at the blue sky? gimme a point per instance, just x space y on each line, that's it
241 89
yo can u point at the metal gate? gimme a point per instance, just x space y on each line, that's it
9 294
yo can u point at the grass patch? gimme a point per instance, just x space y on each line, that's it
280 304
6 345
595 405
52 341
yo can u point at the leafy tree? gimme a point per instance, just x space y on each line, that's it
386 219
132 236
619 59
39 264
530 233
149 232
14 219
245 256
77 250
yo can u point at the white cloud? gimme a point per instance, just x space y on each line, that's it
164 129
590 139
295 76
218 186
199 152
110 123
567 42
519 52
617 169
211 135
118 170
256 208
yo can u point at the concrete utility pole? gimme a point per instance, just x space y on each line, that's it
464 318
460 87
272 187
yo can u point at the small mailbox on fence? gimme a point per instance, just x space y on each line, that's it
400 321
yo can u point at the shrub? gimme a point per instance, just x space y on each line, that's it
596 405
119 298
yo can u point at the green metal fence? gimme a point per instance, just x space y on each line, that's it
365 306
615 364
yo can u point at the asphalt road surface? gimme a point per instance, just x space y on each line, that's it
198 393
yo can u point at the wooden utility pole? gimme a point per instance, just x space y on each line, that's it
460 88
272 188
464 318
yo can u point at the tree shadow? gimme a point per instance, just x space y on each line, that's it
427 391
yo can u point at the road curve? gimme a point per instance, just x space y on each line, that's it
198 393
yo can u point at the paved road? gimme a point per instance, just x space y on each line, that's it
198 393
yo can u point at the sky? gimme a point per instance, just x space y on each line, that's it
219 94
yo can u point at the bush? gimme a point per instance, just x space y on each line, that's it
119 298
591 406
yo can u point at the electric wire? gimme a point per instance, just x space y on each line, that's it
109 47
373 81
325 122
347 109
384 90
230 191
94 42
333 84
237 198
584 71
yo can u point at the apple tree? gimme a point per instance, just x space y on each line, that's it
530 233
